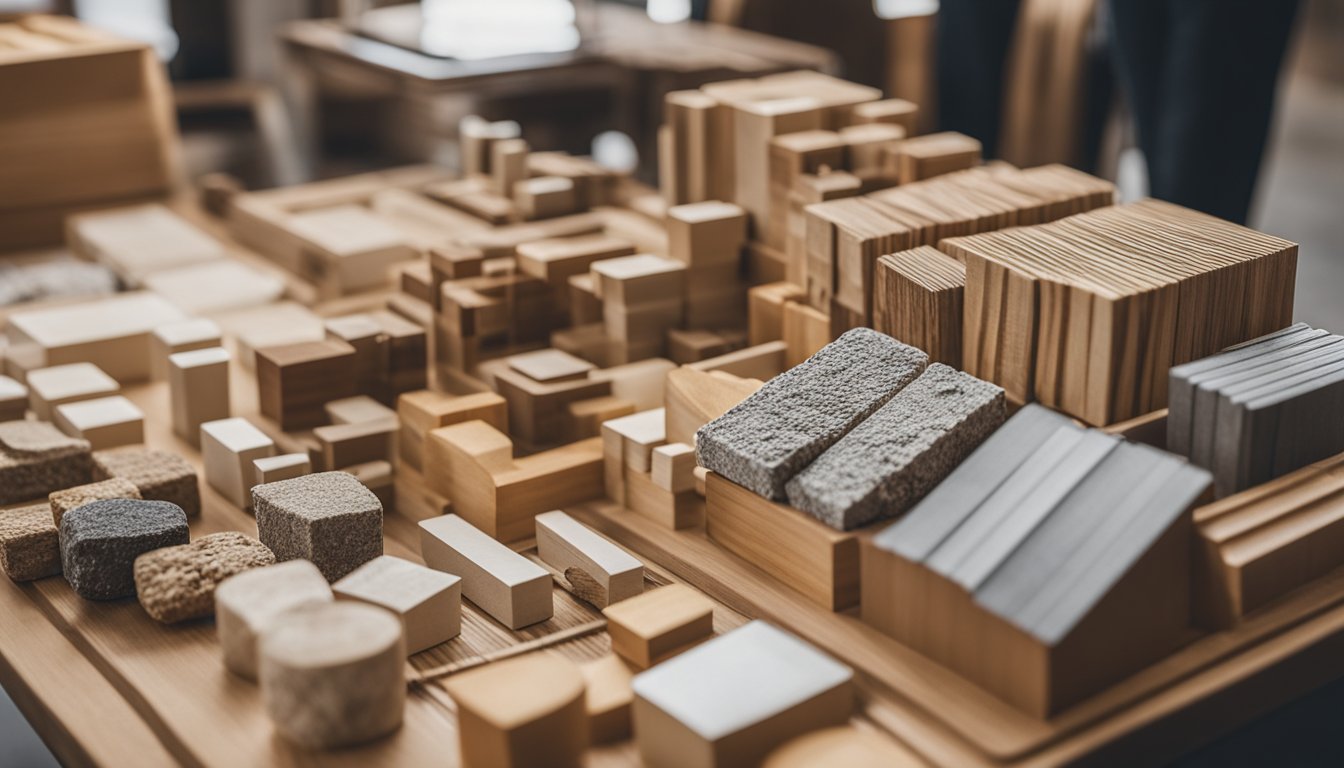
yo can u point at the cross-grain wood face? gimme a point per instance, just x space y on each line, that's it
563 543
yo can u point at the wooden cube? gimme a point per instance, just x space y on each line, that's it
295 381
659 624
521 713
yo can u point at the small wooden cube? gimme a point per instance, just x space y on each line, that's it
429 602
638 279
228 448
673 467
245 604
106 422
499 581
659 624
599 571
707 233
544 197
287 466
344 445
60 384
607 698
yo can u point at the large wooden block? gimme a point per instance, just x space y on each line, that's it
228 449
501 582
348 248
112 333
248 603
61 384
428 601
106 422
526 712
657 625
598 571
198 385
732 700
295 381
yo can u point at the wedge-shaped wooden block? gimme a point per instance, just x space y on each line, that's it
286 466
105 422
30 546
607 698
847 745
228 449
334 674
198 385
63 501
499 581
295 381
247 603
732 700
183 336
428 601
526 712
329 518
178 583
599 571
158 475
60 384
36 459
652 627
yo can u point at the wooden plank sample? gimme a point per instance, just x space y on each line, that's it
599 571
427 601
228 449
734 699
198 385
61 384
526 712
112 333
657 625
295 381
501 582
917 298
106 422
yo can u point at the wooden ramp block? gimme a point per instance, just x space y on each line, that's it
599 571
695 398
732 700
848 745
659 624
247 603
526 712
228 449
334 674
607 698
61 384
796 550
428 601
106 422
499 581
198 386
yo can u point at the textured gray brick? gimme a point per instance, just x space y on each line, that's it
894 457
768 438
329 518
100 542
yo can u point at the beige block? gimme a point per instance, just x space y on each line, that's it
287 466
526 712
60 384
659 624
106 422
228 449
499 581
183 336
599 571
428 602
246 604
198 386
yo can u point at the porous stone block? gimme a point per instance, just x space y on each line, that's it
246 604
100 542
30 547
891 459
769 437
158 475
178 583
70 498
329 518
36 458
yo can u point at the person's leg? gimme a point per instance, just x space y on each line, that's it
973 38
1138 34
1221 75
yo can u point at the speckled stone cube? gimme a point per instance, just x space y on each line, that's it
30 547
160 475
70 498
329 518
894 457
100 542
768 438
36 458
178 583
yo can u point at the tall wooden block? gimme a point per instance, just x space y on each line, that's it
184 336
228 449
198 384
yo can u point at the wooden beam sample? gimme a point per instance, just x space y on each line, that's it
333 674
526 712
501 582
754 125
737 697
138 241
112 333
198 386
184 336
917 298
695 398
607 698
599 571
61 384
848 745
650 628
423 411
105 422
472 465
296 380
273 469
428 601
791 156
228 449
248 603
832 392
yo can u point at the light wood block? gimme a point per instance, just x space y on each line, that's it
640 434
707 233
508 164
734 699
501 582
632 280
348 248
423 411
765 310
198 386
695 398
286 466
184 336
248 603
673 467
806 330
333 675
362 333
847 745
544 197
673 511
61 384
141 240
657 625
607 698
228 449
106 422
218 286
428 601
550 365
584 418
526 712
345 445
599 571
13 399
360 409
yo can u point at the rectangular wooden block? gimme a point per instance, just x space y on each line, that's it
198 386
499 581
295 381
428 601
105 422
228 449
598 570
273 469
184 336
659 624
60 384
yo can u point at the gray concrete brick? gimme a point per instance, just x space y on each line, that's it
100 542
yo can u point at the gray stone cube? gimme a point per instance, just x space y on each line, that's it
100 542
329 518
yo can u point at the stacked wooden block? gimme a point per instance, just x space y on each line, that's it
1066 550
643 297
1261 409
1089 314
708 238
917 298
